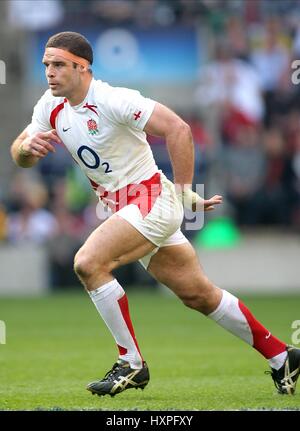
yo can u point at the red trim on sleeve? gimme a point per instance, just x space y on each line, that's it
55 112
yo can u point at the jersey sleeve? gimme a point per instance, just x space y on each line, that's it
40 121
129 107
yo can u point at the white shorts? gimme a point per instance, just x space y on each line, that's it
162 224
175 239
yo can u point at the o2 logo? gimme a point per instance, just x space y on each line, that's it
91 159
296 333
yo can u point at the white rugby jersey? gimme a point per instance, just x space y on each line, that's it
104 133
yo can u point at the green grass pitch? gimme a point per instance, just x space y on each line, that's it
56 344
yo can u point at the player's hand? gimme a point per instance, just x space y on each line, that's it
209 204
194 202
39 145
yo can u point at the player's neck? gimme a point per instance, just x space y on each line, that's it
78 97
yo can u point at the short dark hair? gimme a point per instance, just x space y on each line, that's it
72 42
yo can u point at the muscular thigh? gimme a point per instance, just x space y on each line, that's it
116 242
179 269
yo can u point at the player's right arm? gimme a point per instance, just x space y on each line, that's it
27 150
39 137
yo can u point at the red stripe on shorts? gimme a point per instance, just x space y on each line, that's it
143 195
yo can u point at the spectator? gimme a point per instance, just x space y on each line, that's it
271 61
35 15
244 172
274 201
230 84
33 222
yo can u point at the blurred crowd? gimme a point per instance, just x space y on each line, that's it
245 119
250 104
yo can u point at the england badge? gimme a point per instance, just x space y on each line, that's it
92 127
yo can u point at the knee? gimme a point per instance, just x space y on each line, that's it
85 265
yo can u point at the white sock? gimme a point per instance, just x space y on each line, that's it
229 316
232 315
112 305
277 361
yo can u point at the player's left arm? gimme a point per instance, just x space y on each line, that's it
179 140
177 134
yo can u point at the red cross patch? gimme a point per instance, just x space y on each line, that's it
137 115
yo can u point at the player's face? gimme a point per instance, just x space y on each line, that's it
63 78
